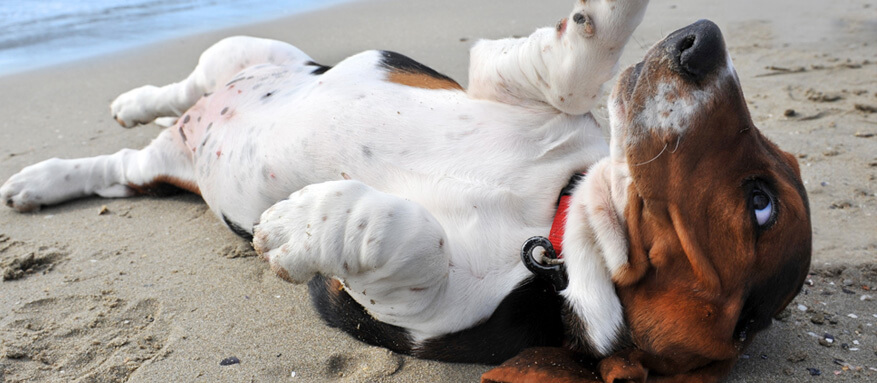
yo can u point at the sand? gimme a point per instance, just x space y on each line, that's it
158 290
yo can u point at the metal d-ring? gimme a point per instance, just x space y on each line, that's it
553 269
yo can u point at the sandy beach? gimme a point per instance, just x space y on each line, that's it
158 290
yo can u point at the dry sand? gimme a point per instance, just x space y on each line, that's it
159 290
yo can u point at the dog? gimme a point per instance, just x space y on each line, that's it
405 199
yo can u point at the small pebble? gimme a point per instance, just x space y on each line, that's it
802 307
825 343
229 361
790 113
797 356
866 298
854 316
814 371
818 318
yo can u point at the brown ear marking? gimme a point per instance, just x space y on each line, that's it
544 365
624 366
703 269
637 259
633 365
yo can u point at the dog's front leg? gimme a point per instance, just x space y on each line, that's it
561 68
375 242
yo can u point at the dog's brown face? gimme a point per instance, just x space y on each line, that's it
717 215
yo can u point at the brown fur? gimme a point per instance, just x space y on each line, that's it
706 264
422 80
543 365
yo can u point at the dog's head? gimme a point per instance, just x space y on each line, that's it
716 215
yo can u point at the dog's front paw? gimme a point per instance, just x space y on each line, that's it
307 233
280 239
607 19
134 107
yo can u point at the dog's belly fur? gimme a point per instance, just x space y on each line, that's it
488 172
275 129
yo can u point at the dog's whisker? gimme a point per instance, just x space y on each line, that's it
656 157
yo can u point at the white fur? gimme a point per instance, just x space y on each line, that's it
674 109
445 185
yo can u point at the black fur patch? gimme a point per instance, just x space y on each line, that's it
320 68
574 182
399 62
237 229
339 310
528 317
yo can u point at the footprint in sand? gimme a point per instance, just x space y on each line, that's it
17 260
363 366
96 338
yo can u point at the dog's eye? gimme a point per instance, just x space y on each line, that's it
763 207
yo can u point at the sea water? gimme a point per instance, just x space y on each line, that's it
39 33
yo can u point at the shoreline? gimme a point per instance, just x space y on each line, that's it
192 294
134 26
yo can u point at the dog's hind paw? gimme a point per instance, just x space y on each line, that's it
132 108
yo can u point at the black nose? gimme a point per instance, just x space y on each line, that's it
696 50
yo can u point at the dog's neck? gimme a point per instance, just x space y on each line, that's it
594 249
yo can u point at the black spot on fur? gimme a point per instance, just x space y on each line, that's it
320 69
237 229
399 62
528 317
339 310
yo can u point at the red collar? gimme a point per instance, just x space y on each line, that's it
557 228
559 225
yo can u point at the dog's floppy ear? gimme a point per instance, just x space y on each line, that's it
654 240
703 268
629 366
543 365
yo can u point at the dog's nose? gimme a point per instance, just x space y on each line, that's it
696 50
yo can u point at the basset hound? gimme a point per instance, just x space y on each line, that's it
405 199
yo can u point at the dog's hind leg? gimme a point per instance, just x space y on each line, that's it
216 67
126 173
391 253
